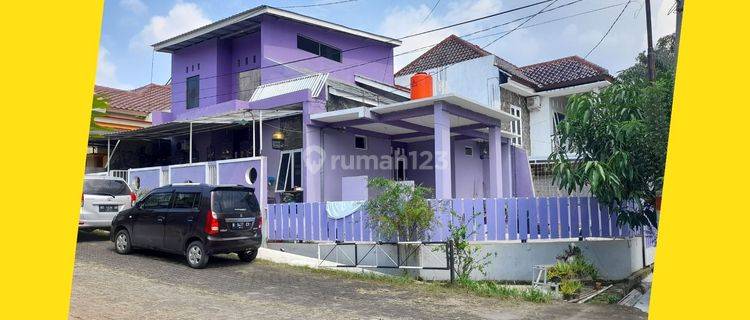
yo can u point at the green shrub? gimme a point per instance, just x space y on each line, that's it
572 265
400 209
570 288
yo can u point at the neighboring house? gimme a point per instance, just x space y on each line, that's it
131 109
318 101
128 110
536 93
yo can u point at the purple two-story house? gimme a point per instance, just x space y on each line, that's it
316 101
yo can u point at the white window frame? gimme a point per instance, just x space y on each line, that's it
289 169
516 126
355 141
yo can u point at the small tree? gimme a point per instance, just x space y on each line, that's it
466 256
400 209
619 137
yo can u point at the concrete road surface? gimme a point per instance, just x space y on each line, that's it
151 285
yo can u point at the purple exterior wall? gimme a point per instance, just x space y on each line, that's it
149 178
468 171
218 63
418 168
341 145
523 185
279 41
195 173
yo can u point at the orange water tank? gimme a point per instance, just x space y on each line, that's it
421 86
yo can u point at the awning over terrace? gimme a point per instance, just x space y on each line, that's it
229 120
413 120
442 118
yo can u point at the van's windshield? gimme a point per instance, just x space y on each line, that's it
105 187
231 201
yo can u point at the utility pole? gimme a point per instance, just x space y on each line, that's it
650 54
680 5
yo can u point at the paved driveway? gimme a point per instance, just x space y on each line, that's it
150 285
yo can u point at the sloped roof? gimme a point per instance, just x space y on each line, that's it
548 75
143 100
565 72
449 51
232 24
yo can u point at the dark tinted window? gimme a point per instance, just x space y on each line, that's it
192 91
318 48
330 52
229 201
308 45
105 187
157 201
360 142
186 200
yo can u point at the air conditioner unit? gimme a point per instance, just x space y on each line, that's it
534 103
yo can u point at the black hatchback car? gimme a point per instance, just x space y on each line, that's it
196 220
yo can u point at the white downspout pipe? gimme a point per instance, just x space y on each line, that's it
190 145
254 153
108 155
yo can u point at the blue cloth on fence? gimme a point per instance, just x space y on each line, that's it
342 209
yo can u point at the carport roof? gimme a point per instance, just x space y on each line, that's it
412 120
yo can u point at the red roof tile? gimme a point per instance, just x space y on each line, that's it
144 100
565 72
449 51
559 73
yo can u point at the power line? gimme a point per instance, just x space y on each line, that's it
518 26
431 11
498 38
463 36
548 21
405 37
608 30
317 4
476 19
521 18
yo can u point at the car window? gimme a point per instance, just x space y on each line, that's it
185 200
105 187
226 201
157 201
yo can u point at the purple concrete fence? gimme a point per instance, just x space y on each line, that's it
525 219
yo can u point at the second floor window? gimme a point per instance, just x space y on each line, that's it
318 48
192 92
516 127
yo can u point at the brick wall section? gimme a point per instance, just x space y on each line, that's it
509 98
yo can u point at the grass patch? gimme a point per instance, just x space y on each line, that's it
479 288
495 290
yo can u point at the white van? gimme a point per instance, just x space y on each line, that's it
103 197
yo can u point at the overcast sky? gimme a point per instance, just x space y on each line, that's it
131 26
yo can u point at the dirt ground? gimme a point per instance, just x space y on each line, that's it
151 285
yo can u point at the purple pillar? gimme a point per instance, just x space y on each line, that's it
312 155
507 171
443 183
496 162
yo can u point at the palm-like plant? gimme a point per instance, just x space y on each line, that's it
99 108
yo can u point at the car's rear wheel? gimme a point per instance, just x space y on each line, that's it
122 242
196 255
248 255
